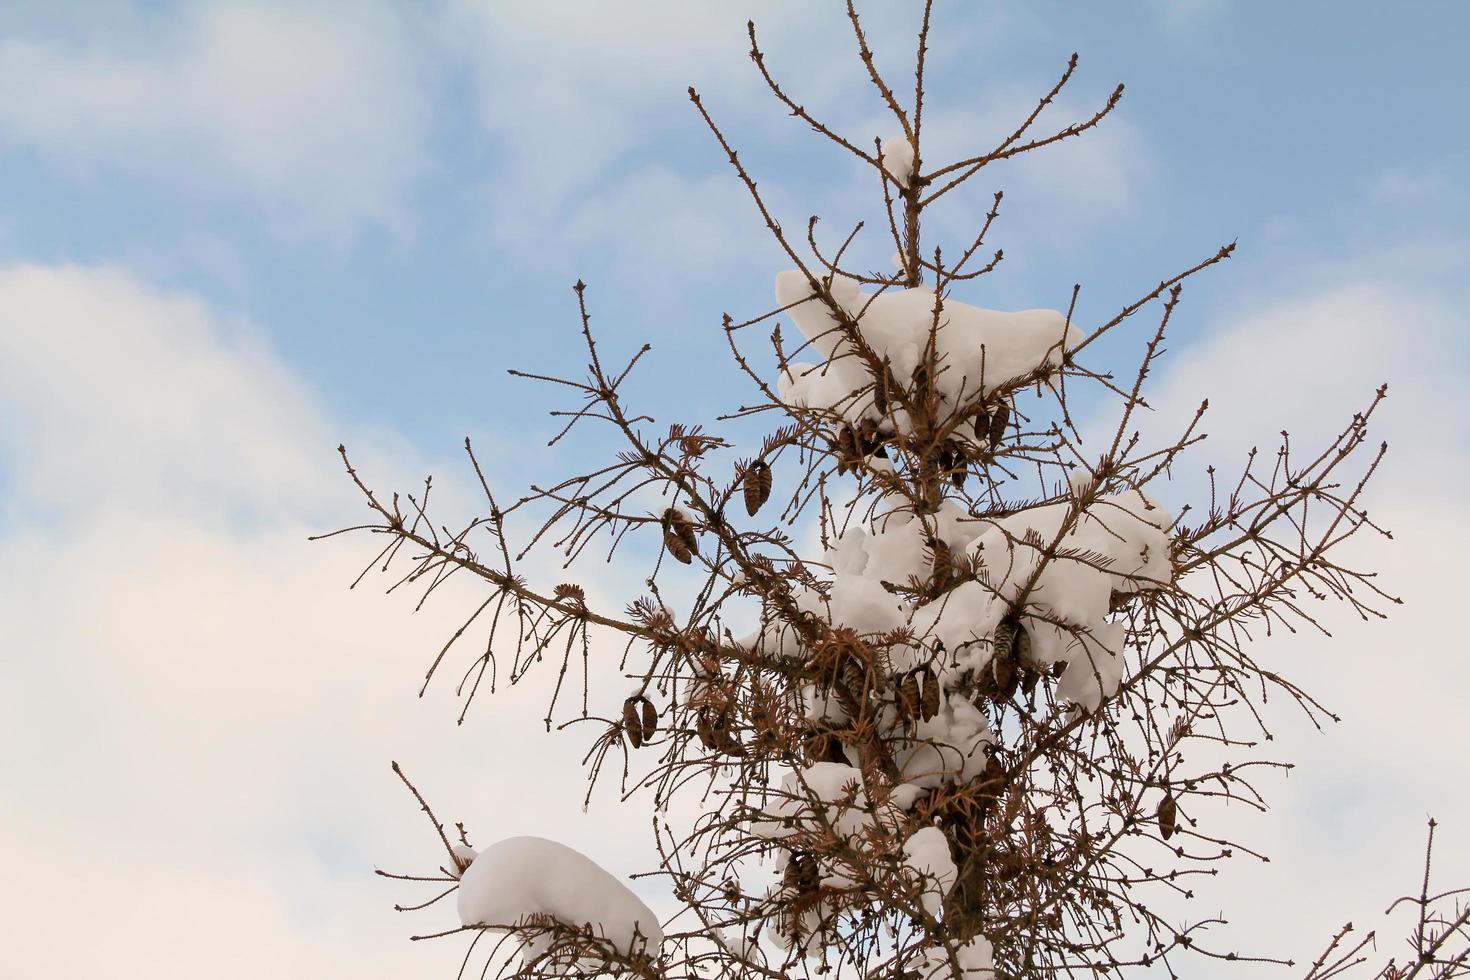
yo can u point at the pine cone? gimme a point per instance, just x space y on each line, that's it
943 570
677 548
981 425
998 423
930 697
1168 814
678 528
1002 640
757 486
1006 678
1021 645
632 724
909 696
801 872
844 445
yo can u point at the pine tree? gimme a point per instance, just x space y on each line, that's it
971 734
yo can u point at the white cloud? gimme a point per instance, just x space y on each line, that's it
152 404
317 113
199 716
567 91
573 99
1072 185
654 232
1345 832
1398 185
1307 362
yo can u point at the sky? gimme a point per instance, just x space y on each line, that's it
234 233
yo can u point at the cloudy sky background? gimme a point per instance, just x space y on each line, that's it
233 234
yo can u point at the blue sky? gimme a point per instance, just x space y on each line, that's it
234 233
465 200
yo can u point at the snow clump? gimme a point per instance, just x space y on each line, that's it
1117 545
977 351
898 159
926 855
529 876
976 959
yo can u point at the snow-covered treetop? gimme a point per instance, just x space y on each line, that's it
943 672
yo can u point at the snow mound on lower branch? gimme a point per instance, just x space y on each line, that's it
926 854
826 794
976 959
526 876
